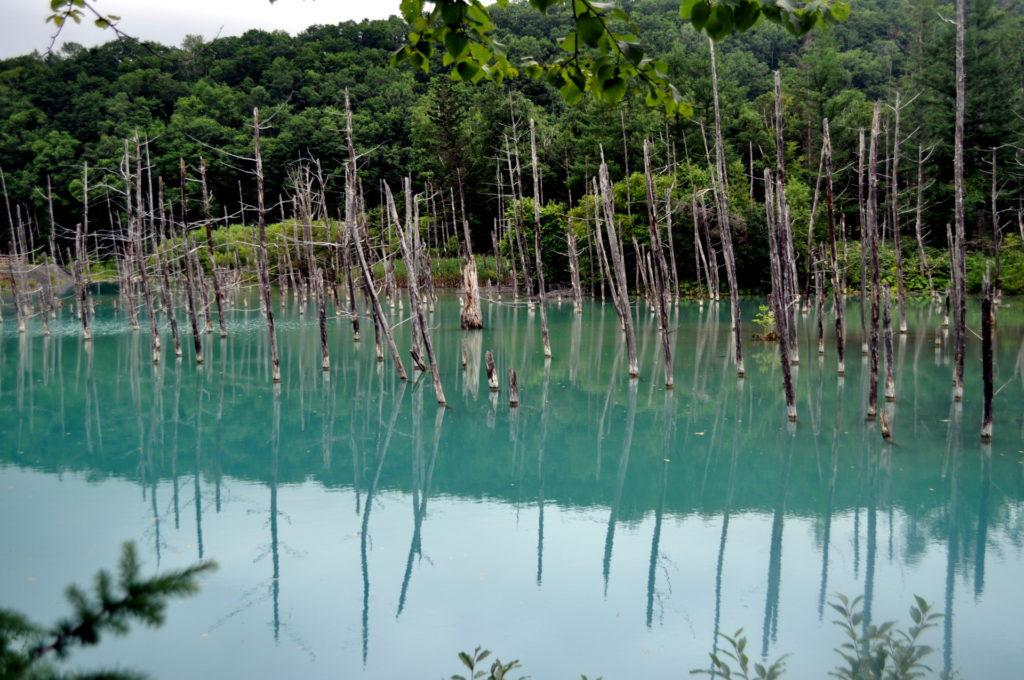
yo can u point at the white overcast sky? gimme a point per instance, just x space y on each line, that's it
22 27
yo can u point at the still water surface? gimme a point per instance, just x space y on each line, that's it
605 527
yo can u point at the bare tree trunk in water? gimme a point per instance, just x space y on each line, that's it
997 235
217 290
724 226
918 225
492 372
190 300
408 238
960 298
987 324
901 292
890 382
140 258
778 294
838 282
541 293
574 269
621 288
470 318
660 269
261 252
671 246
513 388
864 242
872 229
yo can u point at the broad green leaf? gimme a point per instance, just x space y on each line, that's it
590 29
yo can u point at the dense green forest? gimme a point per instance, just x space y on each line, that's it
60 110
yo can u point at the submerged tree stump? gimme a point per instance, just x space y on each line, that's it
513 388
492 372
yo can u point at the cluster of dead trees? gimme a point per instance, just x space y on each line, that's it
166 258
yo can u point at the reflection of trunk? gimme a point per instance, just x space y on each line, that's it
620 483
954 444
275 584
420 508
726 513
382 451
771 607
196 493
826 536
981 542
668 427
540 472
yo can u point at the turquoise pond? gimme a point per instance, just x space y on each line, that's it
605 527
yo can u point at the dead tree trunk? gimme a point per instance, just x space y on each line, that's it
352 208
492 372
918 223
660 268
960 299
872 230
819 300
190 300
140 258
513 388
864 242
901 291
997 235
541 292
890 381
671 246
161 257
217 291
778 294
724 226
621 289
261 252
574 269
470 318
408 239
838 282
987 324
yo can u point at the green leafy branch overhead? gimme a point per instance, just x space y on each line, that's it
601 54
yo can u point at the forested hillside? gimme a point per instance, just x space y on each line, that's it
59 111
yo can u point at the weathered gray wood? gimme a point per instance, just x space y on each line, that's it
218 292
960 296
660 268
724 225
492 372
872 234
513 388
838 281
261 252
778 295
621 287
541 292
987 324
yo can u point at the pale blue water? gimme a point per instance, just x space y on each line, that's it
601 528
